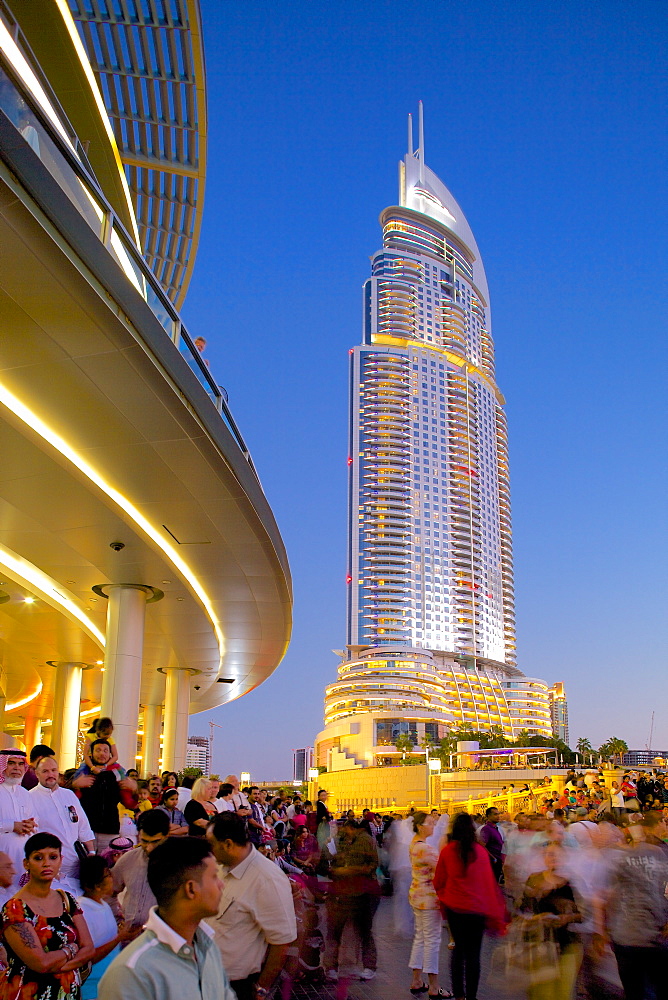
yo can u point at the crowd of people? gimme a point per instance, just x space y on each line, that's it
127 889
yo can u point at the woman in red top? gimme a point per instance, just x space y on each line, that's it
471 899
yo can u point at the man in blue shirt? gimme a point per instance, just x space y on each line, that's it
176 957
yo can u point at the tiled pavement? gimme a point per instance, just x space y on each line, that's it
393 977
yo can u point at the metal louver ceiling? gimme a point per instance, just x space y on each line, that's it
148 59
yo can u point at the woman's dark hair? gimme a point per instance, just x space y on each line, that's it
92 871
278 801
225 789
168 793
167 775
39 841
463 833
104 723
173 863
93 726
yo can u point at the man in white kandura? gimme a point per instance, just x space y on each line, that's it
17 821
58 811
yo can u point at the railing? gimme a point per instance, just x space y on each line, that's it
53 140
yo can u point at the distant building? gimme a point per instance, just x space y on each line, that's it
644 758
198 753
559 711
302 761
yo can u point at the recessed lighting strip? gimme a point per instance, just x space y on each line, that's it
27 575
24 413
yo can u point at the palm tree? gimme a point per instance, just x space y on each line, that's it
404 744
584 748
618 748
523 737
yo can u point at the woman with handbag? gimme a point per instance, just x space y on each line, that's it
45 932
472 902
549 897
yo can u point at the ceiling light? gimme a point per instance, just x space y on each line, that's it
29 600
24 413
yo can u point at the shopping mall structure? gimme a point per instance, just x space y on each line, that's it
431 608
142 575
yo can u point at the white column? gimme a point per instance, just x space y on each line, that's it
123 664
177 704
65 714
150 748
32 732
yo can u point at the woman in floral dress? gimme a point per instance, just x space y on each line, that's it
45 933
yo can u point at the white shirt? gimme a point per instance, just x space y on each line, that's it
100 920
185 795
15 805
59 812
225 805
256 909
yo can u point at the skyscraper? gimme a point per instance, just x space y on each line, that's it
431 620
430 533
559 711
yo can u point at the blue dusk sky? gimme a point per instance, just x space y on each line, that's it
547 121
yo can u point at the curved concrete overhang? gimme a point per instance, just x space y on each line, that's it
107 435
53 38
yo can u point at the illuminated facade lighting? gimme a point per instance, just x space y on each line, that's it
431 617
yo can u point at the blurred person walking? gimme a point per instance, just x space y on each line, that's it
469 893
354 896
636 916
426 909
549 897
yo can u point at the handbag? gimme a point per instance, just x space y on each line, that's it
529 956
81 849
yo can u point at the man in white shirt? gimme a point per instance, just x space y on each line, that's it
241 803
256 918
17 821
58 811
296 801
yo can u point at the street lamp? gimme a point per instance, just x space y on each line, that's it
244 777
434 763
313 774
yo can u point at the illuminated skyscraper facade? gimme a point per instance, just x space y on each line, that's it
430 534
431 619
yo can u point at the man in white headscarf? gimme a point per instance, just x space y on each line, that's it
17 821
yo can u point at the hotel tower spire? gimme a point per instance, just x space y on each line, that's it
431 620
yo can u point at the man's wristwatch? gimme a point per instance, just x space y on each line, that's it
260 991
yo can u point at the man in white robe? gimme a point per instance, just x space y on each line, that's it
58 811
17 816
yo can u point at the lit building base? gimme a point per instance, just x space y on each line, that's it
383 693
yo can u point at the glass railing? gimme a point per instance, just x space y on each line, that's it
62 155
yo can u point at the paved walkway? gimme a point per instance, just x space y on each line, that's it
393 978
